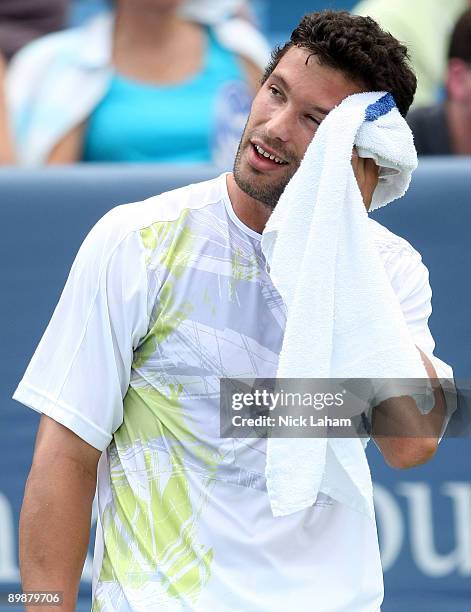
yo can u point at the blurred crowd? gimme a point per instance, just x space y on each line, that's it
167 81
171 81
438 36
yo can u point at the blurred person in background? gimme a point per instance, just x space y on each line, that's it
6 147
424 26
21 21
151 81
81 10
445 128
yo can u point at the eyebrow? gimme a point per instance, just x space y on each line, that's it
287 88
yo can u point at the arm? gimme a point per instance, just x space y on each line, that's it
33 102
401 414
56 513
7 155
69 149
78 377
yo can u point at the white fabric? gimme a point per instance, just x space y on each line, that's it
79 59
81 371
343 318
89 330
211 11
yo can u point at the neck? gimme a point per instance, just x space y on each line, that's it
251 212
145 27
459 127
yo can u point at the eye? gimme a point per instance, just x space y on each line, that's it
313 119
274 90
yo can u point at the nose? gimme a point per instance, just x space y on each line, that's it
281 124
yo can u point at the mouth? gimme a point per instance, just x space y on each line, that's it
266 153
264 159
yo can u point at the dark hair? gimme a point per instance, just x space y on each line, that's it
359 48
460 44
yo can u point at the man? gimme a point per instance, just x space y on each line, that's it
445 128
165 298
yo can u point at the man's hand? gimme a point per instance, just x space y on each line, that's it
367 176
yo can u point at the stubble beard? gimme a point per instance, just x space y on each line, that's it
266 194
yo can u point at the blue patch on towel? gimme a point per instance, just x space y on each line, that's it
380 108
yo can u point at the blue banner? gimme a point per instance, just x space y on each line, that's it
423 514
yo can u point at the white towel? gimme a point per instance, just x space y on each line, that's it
343 319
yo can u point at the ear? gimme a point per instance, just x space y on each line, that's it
455 81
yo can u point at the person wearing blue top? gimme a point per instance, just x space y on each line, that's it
151 81
173 123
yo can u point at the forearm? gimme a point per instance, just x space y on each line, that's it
405 436
55 530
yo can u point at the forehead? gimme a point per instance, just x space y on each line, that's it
310 82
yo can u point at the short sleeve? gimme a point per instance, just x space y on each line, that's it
410 280
81 368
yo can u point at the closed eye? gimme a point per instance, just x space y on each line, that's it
311 118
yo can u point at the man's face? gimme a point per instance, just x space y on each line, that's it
285 116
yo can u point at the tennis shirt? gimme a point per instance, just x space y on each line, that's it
165 297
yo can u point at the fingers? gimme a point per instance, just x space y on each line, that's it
366 173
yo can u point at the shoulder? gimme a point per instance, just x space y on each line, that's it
429 126
167 207
389 243
48 57
400 258
67 44
129 233
31 84
243 39
426 116
44 49
407 273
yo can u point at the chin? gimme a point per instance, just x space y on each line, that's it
265 192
